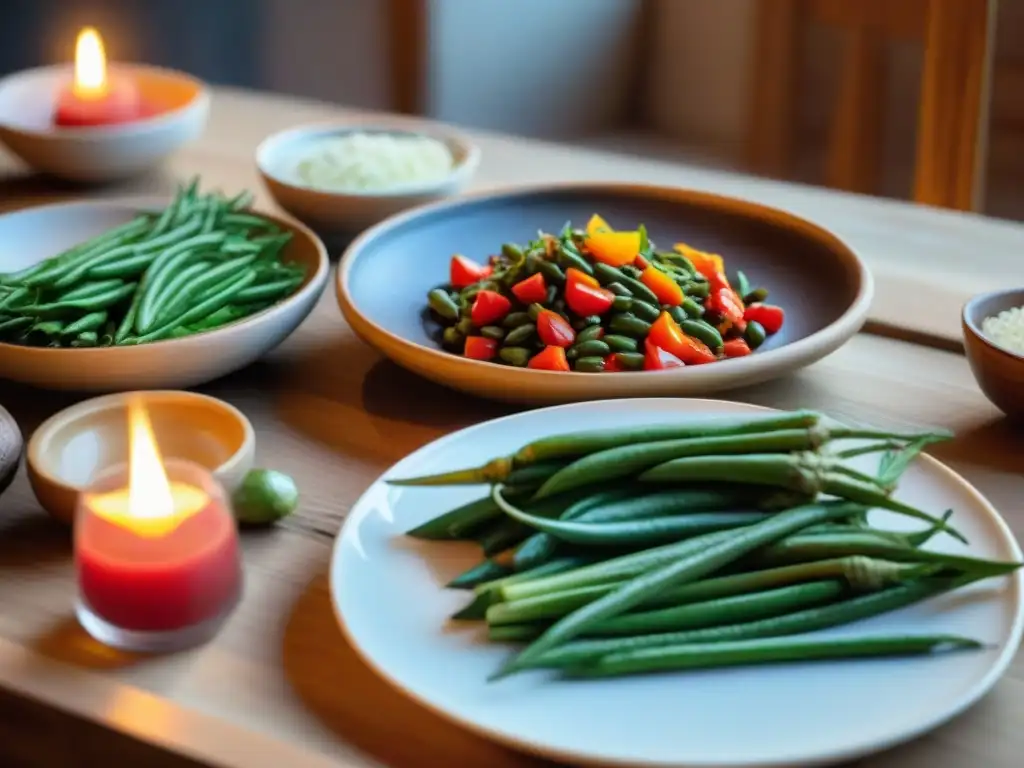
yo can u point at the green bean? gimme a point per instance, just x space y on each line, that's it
534 474
629 325
248 220
465 327
502 535
678 259
627 460
460 522
14 324
645 311
758 294
544 570
85 339
630 361
754 334
697 289
589 364
631 271
858 572
479 574
516 319
590 333
442 303
677 314
801 472
798 622
568 257
517 356
552 296
684 570
495 332
177 290
90 289
725 610
98 301
15 297
771 650
161 271
89 322
225 292
608 274
84 253
622 304
692 308
534 311
521 335
742 283
178 295
620 343
702 331
632 533
594 347
623 292
551 271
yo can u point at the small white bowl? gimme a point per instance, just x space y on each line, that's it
103 153
33 234
327 211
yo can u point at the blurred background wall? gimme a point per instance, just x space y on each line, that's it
670 78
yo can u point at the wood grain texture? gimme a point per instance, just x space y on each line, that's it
280 686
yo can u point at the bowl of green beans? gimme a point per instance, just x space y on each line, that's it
114 295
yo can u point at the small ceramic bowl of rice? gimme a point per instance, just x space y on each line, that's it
993 326
344 177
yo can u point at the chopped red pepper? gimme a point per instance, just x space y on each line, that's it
573 275
663 286
489 307
480 348
727 303
586 300
657 359
640 262
666 334
736 348
611 364
464 272
531 290
553 330
769 316
549 359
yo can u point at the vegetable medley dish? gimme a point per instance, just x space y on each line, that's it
598 300
704 544
202 262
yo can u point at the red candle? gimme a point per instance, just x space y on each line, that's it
156 550
96 96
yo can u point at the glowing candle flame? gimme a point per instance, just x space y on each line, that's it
151 505
149 492
90 65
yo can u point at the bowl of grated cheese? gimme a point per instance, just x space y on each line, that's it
345 177
993 328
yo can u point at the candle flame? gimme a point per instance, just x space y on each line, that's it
149 492
90 64
151 505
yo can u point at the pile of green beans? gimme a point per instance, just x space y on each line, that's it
622 551
201 263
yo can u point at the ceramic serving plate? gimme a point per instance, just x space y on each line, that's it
34 234
386 273
389 598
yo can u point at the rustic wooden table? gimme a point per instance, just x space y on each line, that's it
280 686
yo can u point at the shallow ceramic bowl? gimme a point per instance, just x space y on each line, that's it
71 448
31 235
999 372
179 104
386 273
278 155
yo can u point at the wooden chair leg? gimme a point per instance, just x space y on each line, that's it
953 119
854 157
771 122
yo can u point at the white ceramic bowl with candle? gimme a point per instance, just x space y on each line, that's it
342 177
89 122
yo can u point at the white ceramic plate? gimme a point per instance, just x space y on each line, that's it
389 599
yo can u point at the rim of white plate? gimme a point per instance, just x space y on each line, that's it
505 738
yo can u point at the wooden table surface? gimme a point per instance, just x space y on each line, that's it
280 686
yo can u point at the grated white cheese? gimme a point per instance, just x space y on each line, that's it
374 162
1006 329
